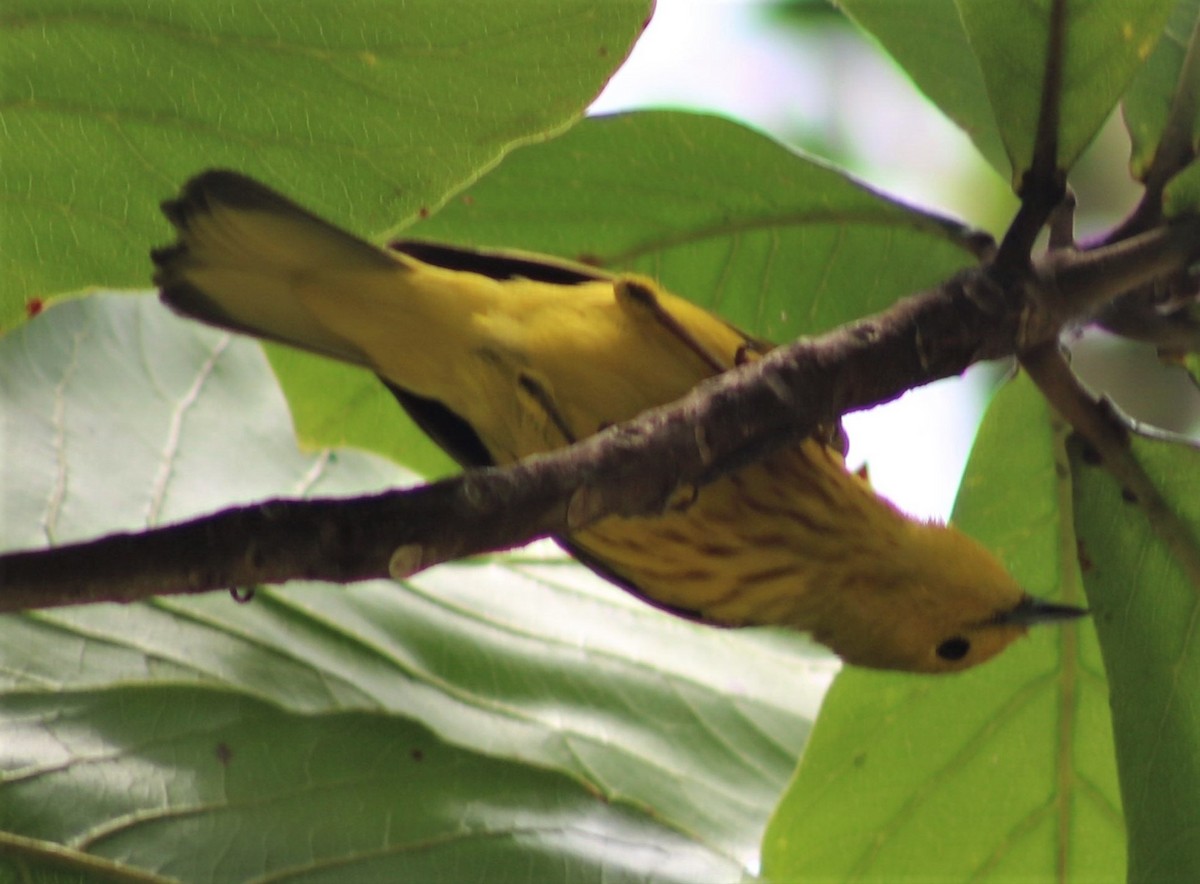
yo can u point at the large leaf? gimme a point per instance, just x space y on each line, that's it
1002 773
775 241
133 773
1106 42
513 715
1163 103
368 109
1146 611
927 39
983 63
1147 103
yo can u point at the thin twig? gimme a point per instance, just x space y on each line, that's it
1140 314
1175 148
1043 183
1082 281
1099 425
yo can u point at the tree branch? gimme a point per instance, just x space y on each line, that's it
630 469
1043 184
1157 311
1160 314
1108 435
1175 149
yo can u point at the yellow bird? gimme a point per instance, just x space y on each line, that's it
501 355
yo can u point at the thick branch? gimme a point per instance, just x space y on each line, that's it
631 469
1120 290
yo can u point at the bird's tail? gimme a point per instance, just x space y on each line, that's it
250 260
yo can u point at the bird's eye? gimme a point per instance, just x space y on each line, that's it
954 648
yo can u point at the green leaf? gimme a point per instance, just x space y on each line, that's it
194 783
28 859
511 716
1106 42
1182 194
1146 610
982 63
334 404
774 241
368 110
998 774
927 39
1191 364
1147 102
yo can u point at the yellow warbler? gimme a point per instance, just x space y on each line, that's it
501 355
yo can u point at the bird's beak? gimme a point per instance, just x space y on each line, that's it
1031 611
